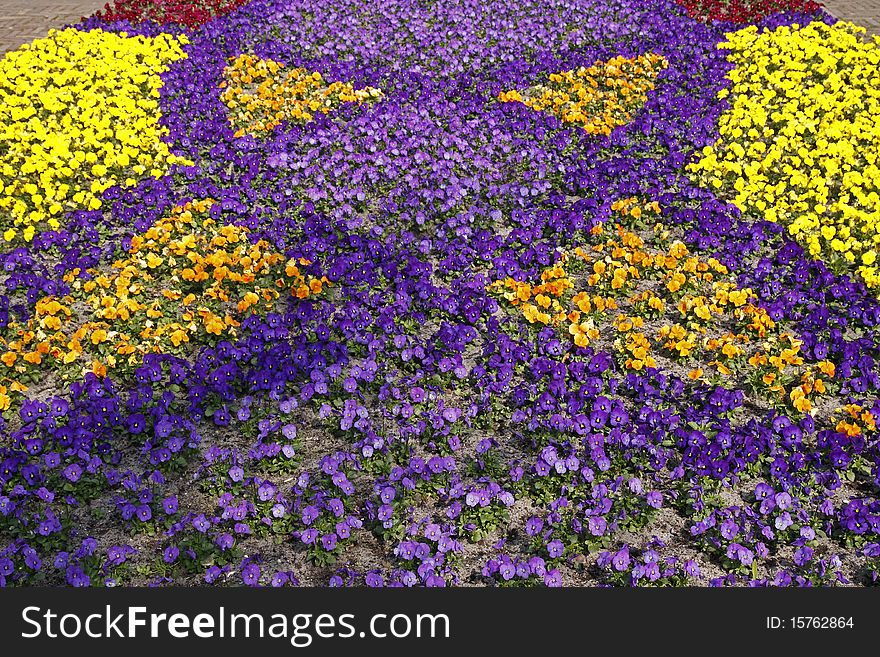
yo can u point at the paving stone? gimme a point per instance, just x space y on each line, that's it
861 12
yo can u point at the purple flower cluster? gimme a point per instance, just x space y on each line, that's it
646 567
521 572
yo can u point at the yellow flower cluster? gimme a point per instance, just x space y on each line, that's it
801 140
667 304
185 277
261 93
78 114
597 98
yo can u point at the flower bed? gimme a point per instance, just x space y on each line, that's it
439 294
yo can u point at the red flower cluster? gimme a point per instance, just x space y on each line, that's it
744 11
186 13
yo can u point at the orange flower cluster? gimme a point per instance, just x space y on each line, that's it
186 277
214 273
261 93
597 98
669 304
856 420
5 398
43 337
782 368
632 207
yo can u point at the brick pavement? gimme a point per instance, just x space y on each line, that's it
861 12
